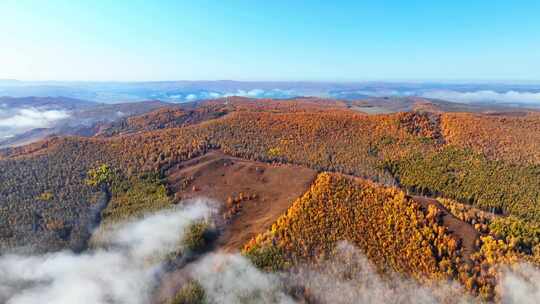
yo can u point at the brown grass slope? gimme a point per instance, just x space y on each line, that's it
253 194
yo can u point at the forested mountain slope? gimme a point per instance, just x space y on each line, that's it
55 191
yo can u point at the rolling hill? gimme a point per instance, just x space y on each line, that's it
432 194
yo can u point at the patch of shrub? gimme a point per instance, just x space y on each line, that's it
524 235
197 236
45 196
101 175
191 293
266 257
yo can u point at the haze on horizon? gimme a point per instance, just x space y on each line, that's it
255 40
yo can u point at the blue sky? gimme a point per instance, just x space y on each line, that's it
270 40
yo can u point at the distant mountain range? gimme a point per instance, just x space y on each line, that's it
80 108
27 119
185 91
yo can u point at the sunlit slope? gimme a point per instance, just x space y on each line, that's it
470 177
501 137
422 152
397 233
390 228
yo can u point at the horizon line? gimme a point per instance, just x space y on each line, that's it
468 81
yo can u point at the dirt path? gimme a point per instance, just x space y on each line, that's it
460 230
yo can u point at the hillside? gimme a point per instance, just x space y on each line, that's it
254 193
26 120
429 195
500 137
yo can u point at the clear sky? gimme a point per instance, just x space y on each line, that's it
270 40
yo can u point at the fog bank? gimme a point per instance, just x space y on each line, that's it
123 270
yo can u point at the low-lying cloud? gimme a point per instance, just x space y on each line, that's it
231 278
258 93
253 93
31 118
520 284
349 277
19 120
513 97
123 270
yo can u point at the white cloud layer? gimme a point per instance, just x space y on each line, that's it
485 96
521 284
348 277
258 93
31 118
253 93
122 271
231 278
18 120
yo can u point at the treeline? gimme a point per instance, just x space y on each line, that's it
494 186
